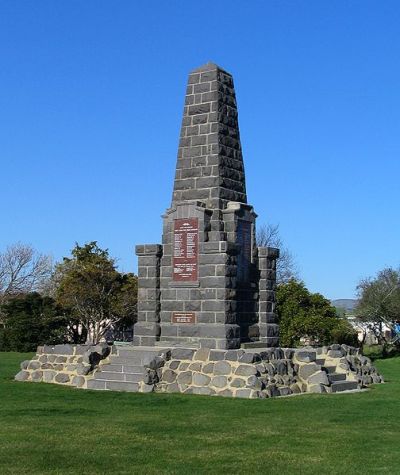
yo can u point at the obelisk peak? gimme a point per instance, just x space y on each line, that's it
210 164
210 66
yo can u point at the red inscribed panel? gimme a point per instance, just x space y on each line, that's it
186 247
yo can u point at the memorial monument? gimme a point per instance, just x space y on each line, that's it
208 284
207 289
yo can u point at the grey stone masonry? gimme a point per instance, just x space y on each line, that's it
147 328
210 163
268 324
205 285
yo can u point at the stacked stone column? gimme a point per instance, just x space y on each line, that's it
268 324
147 328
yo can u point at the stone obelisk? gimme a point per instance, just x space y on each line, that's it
208 284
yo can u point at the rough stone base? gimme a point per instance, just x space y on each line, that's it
246 373
262 373
71 365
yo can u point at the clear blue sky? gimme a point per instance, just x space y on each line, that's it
91 97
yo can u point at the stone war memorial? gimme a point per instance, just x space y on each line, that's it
208 284
206 298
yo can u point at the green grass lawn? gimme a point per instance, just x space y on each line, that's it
47 429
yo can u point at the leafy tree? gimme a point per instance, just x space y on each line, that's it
32 320
304 315
286 266
379 303
96 294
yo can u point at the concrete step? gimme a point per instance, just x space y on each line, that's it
112 385
344 386
333 377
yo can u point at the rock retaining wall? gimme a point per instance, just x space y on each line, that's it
71 365
268 373
242 373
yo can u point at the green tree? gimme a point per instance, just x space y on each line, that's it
97 295
31 320
379 303
304 315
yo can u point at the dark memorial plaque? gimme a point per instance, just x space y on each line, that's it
186 244
244 258
183 317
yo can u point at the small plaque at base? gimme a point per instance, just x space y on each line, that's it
183 317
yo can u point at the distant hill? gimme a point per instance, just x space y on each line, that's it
347 304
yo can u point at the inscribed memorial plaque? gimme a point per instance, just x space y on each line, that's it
244 258
186 240
183 317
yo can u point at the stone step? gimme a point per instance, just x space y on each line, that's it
330 369
112 385
112 376
122 368
133 361
333 377
344 386
137 351
167 342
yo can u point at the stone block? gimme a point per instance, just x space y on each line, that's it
335 353
208 368
245 370
243 393
63 349
222 367
78 381
174 364
249 358
217 355
95 384
295 388
34 365
185 377
306 356
47 366
37 376
182 353
62 378
233 355
196 366
83 369
202 354
61 359
225 393
285 391
219 381
253 382
320 377
25 364
22 376
305 371
238 383
169 376
316 388
200 379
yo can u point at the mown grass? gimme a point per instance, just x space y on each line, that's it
48 429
